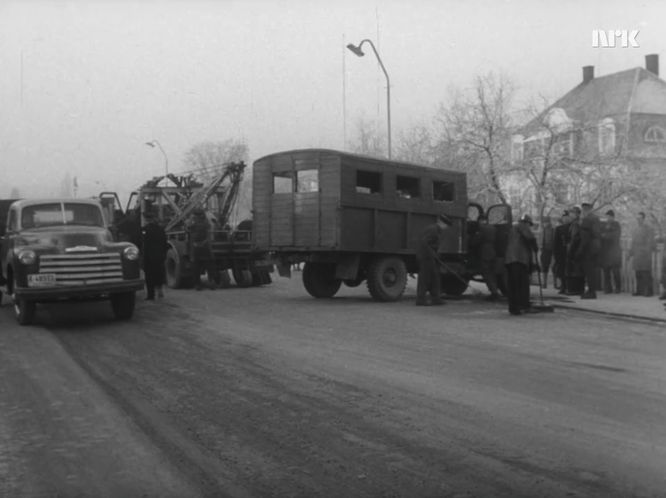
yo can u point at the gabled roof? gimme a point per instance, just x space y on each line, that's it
634 90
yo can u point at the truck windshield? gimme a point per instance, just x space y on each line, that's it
69 213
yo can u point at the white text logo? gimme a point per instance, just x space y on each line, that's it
612 38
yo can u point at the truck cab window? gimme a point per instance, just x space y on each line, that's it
368 182
307 180
443 191
407 187
283 182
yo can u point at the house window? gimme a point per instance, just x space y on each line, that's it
563 145
443 191
655 134
606 137
407 187
283 182
307 180
368 182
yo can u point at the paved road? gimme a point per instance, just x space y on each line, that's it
267 392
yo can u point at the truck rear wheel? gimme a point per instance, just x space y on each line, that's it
319 280
387 278
174 270
123 305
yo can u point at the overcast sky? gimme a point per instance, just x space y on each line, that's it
84 85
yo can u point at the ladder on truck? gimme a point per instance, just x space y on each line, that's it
232 171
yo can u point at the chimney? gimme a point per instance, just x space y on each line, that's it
652 63
588 74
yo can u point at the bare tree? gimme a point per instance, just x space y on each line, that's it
369 139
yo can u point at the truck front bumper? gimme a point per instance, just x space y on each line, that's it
77 291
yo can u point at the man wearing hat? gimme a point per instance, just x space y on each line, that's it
521 247
588 250
575 276
429 279
200 251
561 238
611 253
154 245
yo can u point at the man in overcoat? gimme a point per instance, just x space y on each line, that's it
154 242
429 278
588 250
611 253
575 276
520 249
642 246
483 244
560 242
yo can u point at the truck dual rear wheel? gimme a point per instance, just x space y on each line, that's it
319 280
122 305
387 278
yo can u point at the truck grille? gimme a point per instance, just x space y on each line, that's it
82 269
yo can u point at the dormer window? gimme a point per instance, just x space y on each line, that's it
607 137
655 134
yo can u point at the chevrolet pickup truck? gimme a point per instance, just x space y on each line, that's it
61 249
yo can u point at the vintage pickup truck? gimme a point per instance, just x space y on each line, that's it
61 249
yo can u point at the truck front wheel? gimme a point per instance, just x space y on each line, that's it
387 278
319 280
123 305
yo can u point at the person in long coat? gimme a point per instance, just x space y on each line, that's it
483 244
588 250
575 276
154 242
611 253
520 249
560 242
429 278
642 246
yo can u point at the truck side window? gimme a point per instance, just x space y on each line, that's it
307 180
368 182
407 187
283 182
443 191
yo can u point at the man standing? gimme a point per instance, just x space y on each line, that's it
588 250
547 246
575 277
611 253
483 243
560 242
429 279
154 254
518 260
200 252
642 247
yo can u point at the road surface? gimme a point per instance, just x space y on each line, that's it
268 392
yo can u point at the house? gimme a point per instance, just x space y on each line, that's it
591 141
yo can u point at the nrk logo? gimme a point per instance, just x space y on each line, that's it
612 38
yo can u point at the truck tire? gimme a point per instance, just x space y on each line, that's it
452 285
319 280
387 278
173 267
24 311
122 305
260 277
242 276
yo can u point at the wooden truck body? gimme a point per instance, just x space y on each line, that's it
352 218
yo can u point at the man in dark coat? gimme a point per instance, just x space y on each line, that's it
561 239
611 253
199 247
154 243
521 247
575 276
642 246
429 278
483 244
588 250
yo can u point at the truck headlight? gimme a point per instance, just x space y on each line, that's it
27 257
131 253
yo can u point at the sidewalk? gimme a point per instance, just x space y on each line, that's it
621 305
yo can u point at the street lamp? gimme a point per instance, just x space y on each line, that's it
356 49
155 143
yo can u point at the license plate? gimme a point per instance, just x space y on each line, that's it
41 280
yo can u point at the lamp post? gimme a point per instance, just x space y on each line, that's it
155 143
356 49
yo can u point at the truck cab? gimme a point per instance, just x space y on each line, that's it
61 249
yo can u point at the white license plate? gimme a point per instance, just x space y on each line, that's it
41 280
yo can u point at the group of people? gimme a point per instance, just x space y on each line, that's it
581 251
